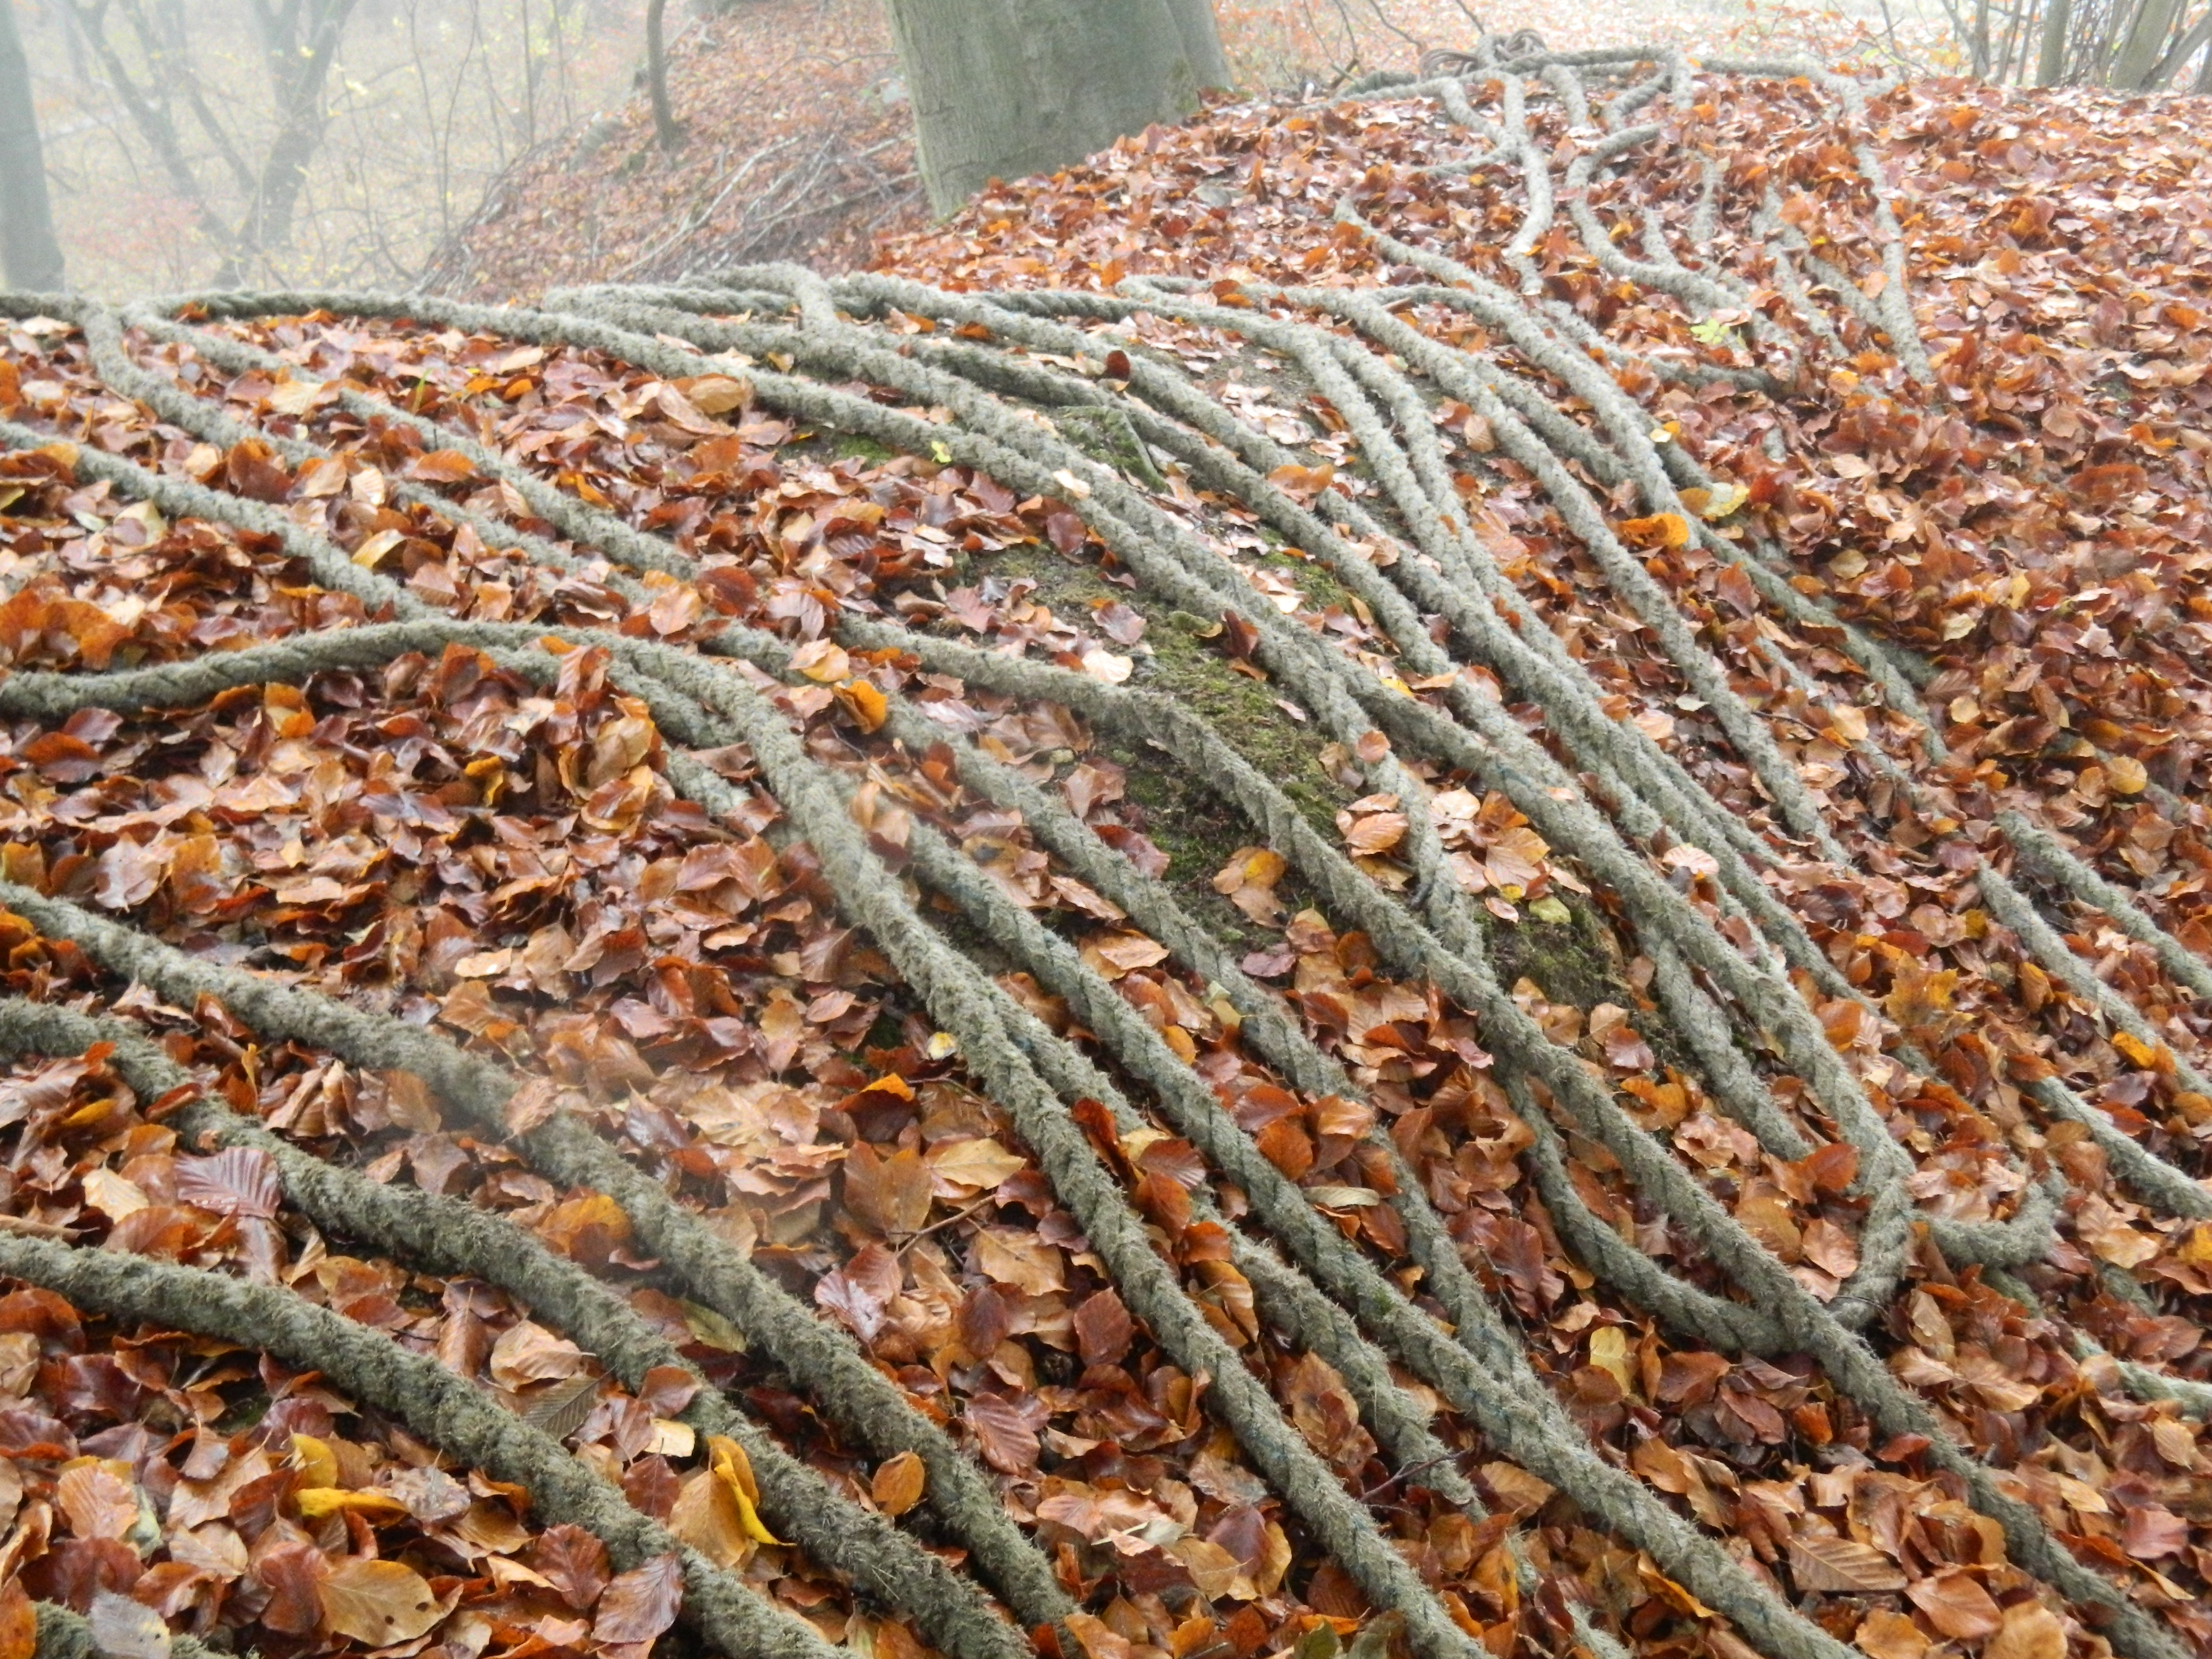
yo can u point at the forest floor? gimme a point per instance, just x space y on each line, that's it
1423 873
797 144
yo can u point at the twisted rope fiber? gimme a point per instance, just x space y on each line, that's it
1884 1256
2049 858
1584 1476
864 1405
1389 1406
1318 676
1872 176
440 1408
963 1001
2013 908
1868 1134
1597 742
1752 1622
1803 1323
1300 1307
451 1238
2150 1177
1594 739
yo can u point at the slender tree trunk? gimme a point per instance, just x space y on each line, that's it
31 256
1004 88
2051 64
284 174
2145 44
656 77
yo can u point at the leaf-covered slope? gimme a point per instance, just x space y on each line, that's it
1485 932
797 143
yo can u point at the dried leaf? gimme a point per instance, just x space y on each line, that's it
641 1603
898 1482
379 1602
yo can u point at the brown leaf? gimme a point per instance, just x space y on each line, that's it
890 1196
379 1602
1104 1328
2031 1631
641 1603
97 1499
1883 1634
1838 1565
572 1560
527 1352
241 1181
1956 1604
447 466
1003 1434
294 1575
899 1483
19 1621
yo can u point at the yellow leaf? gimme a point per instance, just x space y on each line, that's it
1660 530
379 1602
822 661
1720 501
730 1462
373 551
2126 775
1608 1352
316 1502
707 1517
2138 1052
317 1464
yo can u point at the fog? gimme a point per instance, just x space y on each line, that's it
301 143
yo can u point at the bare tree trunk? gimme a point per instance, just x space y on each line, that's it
300 79
29 252
656 78
152 120
1202 41
2051 64
1004 88
2145 43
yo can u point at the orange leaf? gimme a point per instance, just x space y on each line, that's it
867 706
899 1484
1660 530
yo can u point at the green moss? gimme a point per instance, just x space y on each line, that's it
1580 961
1577 960
1189 668
1187 822
850 445
1108 436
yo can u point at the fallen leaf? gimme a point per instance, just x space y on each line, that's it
379 1602
898 1482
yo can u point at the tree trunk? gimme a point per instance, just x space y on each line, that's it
1004 88
2051 64
304 117
1202 41
29 252
2145 43
656 76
